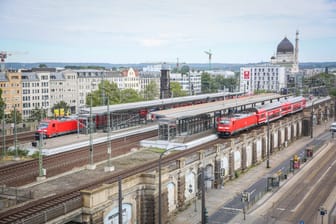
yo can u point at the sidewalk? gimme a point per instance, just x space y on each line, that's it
216 198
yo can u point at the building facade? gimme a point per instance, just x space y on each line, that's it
191 82
35 92
268 77
11 85
287 56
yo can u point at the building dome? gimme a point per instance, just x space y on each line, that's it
285 46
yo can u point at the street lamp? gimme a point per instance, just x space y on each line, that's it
323 212
167 150
202 193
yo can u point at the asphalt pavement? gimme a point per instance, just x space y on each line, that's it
225 205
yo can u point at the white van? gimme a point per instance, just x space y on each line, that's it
333 127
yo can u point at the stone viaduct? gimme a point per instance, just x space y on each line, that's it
180 178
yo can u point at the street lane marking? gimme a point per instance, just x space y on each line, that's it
312 188
233 209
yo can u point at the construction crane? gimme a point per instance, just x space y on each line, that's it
210 55
5 54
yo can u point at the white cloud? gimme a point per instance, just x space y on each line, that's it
166 25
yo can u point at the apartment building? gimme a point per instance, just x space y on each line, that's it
10 83
266 77
43 88
191 82
146 78
35 92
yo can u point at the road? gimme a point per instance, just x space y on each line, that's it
299 201
230 210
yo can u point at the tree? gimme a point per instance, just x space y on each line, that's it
11 117
176 90
60 105
37 114
151 91
129 96
210 84
106 90
43 66
206 83
185 69
2 106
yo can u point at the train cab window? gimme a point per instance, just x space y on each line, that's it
225 122
43 125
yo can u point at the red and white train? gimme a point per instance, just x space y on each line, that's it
51 128
227 126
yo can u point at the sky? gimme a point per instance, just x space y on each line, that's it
155 31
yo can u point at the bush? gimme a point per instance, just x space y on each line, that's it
20 152
236 174
35 155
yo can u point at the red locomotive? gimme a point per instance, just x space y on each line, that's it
51 128
227 126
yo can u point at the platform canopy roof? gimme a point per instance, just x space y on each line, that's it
153 103
194 110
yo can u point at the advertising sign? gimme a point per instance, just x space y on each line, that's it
246 74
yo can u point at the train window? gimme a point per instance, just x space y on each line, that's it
43 125
224 122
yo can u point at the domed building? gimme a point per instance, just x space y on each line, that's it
287 55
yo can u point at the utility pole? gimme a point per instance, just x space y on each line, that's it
91 165
40 161
109 166
312 120
77 107
268 144
4 154
204 210
120 198
15 135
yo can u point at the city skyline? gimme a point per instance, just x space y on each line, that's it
146 31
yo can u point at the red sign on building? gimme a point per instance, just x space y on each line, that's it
246 74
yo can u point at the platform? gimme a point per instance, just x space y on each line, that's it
64 143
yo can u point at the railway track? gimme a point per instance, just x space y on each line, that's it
33 211
21 137
26 172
